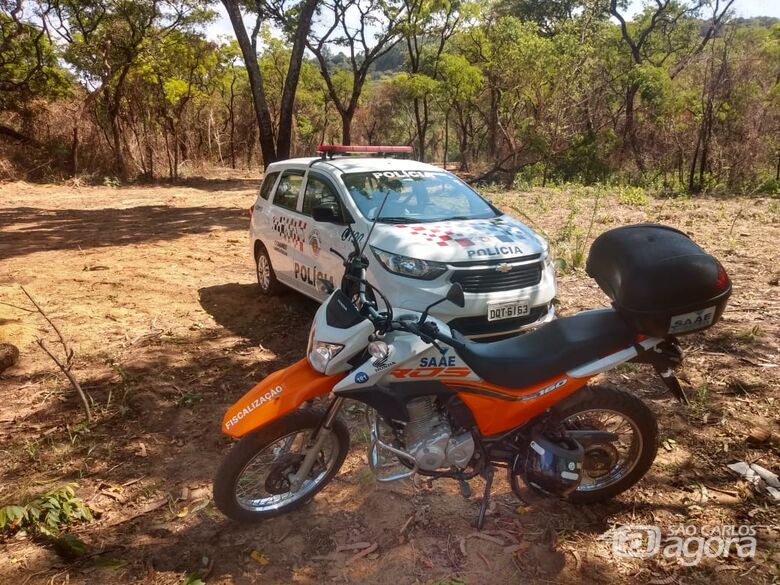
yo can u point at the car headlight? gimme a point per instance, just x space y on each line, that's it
321 352
411 267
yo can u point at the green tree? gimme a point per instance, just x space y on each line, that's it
29 68
298 15
348 27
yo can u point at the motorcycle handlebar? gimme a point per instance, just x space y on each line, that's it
339 254
429 332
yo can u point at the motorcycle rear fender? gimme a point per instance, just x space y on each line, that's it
277 395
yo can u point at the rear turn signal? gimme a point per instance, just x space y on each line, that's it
723 278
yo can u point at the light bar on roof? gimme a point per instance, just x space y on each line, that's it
340 148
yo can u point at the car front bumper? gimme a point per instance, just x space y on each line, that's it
471 320
479 328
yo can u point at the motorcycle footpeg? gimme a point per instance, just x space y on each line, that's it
465 488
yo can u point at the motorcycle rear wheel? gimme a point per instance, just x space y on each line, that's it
610 407
252 481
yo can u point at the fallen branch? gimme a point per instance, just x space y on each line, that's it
156 505
66 366
362 554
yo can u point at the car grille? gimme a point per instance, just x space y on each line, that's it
471 326
486 280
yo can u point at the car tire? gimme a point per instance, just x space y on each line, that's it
266 277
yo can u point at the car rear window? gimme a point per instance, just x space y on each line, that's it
268 184
288 190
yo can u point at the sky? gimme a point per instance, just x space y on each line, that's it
744 8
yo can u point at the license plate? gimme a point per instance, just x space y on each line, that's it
692 321
510 310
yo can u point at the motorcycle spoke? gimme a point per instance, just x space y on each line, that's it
621 454
251 489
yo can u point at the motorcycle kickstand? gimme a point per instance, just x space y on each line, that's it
489 472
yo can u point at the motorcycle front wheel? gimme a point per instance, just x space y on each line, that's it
252 481
610 468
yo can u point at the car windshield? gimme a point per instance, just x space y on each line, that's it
416 197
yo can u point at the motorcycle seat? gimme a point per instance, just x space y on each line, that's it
551 350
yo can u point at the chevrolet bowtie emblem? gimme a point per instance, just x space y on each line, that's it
504 267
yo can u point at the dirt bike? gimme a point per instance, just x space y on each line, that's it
439 405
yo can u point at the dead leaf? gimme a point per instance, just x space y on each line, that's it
758 436
259 558
198 505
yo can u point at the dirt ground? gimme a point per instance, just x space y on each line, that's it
154 287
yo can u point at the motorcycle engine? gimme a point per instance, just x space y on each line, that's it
429 439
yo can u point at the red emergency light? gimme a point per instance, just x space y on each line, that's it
331 149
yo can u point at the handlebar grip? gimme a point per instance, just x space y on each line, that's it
449 340
432 331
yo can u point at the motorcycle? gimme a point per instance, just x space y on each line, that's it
439 405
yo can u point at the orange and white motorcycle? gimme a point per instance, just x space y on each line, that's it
441 406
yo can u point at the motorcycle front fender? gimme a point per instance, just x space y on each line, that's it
277 395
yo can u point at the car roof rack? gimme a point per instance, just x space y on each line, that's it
330 150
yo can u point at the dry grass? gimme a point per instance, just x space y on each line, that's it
153 287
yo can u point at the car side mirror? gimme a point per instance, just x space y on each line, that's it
455 295
327 214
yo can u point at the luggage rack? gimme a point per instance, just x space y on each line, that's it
328 151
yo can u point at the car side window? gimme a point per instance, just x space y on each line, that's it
288 190
318 192
268 184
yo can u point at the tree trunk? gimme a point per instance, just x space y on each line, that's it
232 117
150 158
421 121
777 172
284 137
492 141
346 127
264 122
463 142
112 109
119 156
74 151
446 136
629 130
692 187
175 134
706 136
250 148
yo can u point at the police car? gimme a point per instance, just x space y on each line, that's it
432 230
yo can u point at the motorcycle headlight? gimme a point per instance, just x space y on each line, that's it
321 352
411 267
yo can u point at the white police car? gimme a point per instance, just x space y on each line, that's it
433 230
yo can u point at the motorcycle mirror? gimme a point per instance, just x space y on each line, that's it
328 214
455 295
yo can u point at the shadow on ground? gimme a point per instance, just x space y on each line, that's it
242 310
27 230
